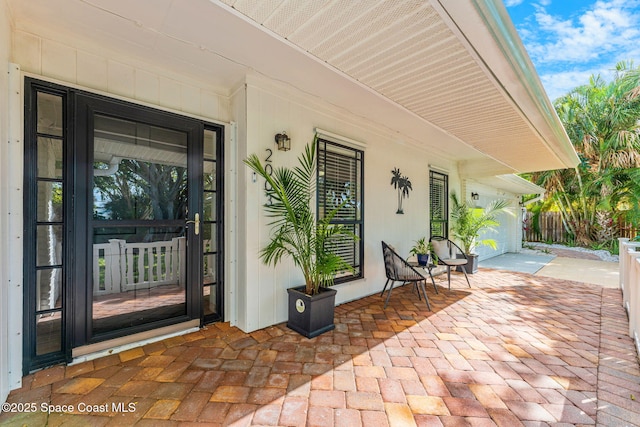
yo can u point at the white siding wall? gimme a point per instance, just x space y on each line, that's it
271 110
256 295
5 44
236 289
119 77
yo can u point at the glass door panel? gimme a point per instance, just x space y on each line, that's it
211 223
48 225
48 333
140 204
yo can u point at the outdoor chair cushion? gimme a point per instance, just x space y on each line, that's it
444 254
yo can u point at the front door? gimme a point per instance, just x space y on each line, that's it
127 229
142 210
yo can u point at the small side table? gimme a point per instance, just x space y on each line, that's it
430 266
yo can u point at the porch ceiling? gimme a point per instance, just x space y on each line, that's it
407 64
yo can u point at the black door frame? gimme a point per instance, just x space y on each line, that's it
220 240
79 108
30 360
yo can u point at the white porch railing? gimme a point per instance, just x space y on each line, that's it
630 285
119 266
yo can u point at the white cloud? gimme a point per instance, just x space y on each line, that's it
509 3
567 50
559 84
608 26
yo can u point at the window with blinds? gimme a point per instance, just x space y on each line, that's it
439 203
340 183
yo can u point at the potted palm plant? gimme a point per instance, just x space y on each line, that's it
297 234
468 222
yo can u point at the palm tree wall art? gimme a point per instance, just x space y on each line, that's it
403 185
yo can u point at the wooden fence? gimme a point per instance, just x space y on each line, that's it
552 229
626 229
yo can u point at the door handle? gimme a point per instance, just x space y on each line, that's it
196 223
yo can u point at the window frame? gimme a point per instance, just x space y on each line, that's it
442 224
358 157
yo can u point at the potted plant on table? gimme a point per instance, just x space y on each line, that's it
296 234
468 222
421 249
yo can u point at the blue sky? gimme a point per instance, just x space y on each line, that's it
570 40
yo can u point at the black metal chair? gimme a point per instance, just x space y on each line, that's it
450 255
399 270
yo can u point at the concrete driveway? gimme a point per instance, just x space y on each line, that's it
601 273
570 265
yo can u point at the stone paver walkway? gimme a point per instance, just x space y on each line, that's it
516 350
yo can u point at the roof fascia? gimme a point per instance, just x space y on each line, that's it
511 183
503 53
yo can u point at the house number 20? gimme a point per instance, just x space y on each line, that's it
269 170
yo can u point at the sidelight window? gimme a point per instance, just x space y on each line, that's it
46 189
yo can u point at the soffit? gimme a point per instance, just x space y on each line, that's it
412 54
402 63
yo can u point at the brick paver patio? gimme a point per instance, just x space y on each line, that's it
516 350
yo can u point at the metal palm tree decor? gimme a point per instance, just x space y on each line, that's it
403 185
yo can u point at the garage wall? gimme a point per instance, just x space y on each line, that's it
272 109
508 235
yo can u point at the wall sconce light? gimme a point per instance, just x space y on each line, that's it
475 196
283 141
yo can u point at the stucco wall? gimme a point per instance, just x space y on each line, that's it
272 109
5 44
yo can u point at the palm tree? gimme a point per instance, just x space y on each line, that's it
633 201
601 119
403 185
295 232
469 222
